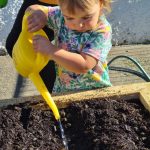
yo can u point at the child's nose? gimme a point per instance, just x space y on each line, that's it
81 25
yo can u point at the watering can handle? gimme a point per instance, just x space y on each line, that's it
24 23
38 58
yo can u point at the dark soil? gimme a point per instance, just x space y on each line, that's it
91 125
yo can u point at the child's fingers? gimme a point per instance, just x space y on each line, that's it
33 28
29 9
35 45
33 23
30 19
36 37
37 41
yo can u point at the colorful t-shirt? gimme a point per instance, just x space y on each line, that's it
96 43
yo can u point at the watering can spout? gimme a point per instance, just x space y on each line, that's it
28 63
38 82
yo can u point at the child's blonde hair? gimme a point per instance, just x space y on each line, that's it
84 5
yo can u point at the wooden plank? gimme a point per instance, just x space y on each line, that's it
124 91
145 97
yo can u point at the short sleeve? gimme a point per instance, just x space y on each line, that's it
99 44
54 15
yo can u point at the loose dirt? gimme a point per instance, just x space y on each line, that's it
91 125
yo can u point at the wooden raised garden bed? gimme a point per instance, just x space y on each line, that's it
112 118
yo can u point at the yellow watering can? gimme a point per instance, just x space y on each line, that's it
28 63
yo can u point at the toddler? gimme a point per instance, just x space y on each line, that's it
82 41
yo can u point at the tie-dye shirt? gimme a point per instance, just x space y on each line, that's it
96 43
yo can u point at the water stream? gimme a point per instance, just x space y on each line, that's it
64 140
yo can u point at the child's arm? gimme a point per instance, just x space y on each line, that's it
38 18
77 63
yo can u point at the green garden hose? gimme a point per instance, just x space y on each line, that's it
142 74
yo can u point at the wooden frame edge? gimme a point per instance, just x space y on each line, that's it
139 90
145 97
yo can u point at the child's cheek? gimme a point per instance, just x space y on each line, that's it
91 24
66 24
69 25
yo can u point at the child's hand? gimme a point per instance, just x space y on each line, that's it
41 44
38 18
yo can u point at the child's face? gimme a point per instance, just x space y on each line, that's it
82 21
